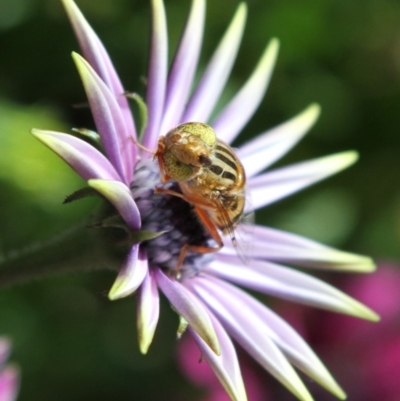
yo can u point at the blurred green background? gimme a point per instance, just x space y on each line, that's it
71 342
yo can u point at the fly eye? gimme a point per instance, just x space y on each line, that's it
205 161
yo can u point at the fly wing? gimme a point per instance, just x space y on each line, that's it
238 227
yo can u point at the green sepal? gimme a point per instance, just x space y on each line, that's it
143 113
183 325
89 134
144 235
135 236
80 194
113 221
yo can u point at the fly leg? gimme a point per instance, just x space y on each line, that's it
211 229
200 207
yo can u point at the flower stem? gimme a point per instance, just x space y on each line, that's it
78 249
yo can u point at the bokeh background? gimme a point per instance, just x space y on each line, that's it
70 341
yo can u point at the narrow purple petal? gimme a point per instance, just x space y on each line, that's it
289 284
131 274
92 47
157 75
225 366
95 53
270 146
217 72
183 68
86 160
240 109
9 383
119 195
148 311
280 246
190 309
245 330
293 346
107 116
272 186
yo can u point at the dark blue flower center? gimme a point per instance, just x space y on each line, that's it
160 212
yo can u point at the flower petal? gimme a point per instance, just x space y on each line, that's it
131 274
148 310
280 246
121 198
183 68
266 148
217 72
237 113
97 56
157 75
272 186
246 332
289 284
92 47
225 366
190 308
86 160
283 335
107 116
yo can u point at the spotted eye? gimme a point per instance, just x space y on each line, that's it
177 170
205 161
201 130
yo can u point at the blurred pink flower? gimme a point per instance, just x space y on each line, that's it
365 359
9 375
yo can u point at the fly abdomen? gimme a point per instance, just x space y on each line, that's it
224 166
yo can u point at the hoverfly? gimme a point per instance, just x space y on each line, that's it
210 176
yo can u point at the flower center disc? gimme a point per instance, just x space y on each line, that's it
160 212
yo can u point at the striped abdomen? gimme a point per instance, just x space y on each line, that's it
226 169
223 184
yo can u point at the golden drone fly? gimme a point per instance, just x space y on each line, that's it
210 176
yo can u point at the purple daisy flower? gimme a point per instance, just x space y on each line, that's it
205 294
9 375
